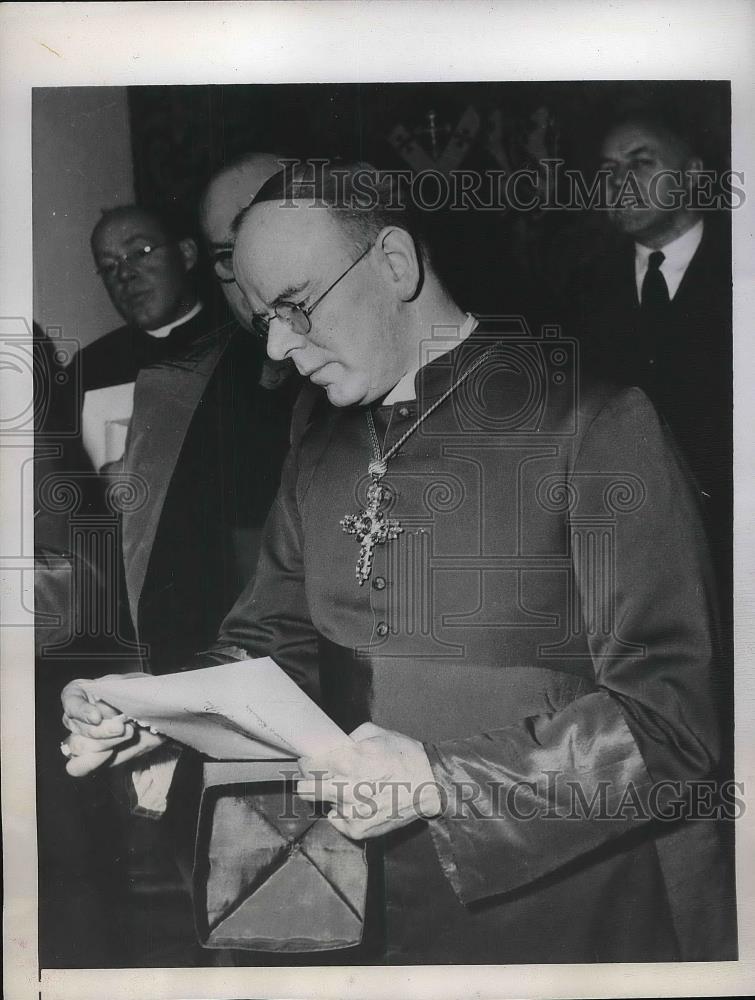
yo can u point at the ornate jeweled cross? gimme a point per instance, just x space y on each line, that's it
371 528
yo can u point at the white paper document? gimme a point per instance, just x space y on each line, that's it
105 416
246 710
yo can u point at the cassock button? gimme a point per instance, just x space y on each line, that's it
403 411
382 629
379 583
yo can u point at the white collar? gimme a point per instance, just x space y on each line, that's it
444 339
679 252
164 331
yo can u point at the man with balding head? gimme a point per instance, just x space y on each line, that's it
229 191
225 196
464 555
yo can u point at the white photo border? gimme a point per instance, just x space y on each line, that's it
117 44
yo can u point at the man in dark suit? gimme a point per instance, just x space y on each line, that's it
656 310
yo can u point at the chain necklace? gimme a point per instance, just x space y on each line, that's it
370 526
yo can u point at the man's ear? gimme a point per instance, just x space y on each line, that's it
401 261
189 252
692 168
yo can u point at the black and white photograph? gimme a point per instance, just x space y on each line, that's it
375 554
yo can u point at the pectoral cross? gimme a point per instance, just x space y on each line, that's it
371 528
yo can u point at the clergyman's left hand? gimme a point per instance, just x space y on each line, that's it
378 783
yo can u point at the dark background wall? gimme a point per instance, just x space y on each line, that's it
95 147
181 135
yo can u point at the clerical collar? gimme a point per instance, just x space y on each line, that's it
165 331
440 345
676 258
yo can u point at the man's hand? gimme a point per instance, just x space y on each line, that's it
99 733
381 782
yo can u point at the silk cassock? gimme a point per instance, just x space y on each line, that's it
543 621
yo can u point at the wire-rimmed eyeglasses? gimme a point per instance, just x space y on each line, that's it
134 258
295 315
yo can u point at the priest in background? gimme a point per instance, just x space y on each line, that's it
176 402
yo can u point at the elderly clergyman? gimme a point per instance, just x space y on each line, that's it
498 581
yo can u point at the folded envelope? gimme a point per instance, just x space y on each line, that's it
271 874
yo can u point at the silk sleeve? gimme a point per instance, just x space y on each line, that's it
524 800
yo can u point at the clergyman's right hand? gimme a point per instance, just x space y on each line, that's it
99 733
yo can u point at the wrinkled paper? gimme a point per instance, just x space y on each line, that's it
245 710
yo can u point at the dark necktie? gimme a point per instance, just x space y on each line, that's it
654 288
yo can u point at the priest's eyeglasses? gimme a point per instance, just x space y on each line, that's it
297 316
134 258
